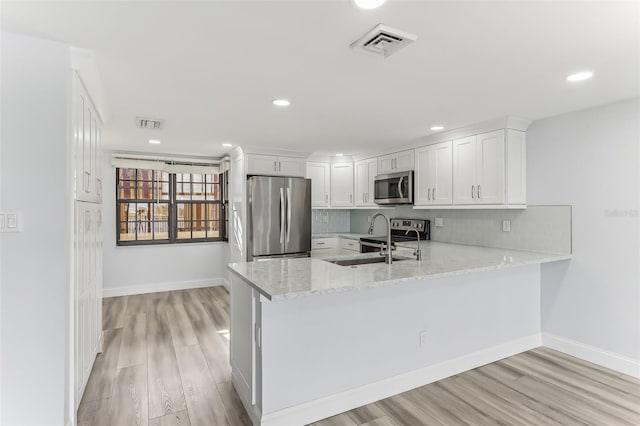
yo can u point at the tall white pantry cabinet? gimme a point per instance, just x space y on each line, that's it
86 128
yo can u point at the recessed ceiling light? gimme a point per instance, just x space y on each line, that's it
580 76
227 144
154 141
437 127
281 102
369 4
339 154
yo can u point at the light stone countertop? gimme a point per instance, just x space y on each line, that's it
282 279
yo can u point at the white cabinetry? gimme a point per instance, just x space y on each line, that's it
479 169
349 244
87 128
320 175
365 173
489 169
258 164
396 162
341 184
87 290
433 175
324 243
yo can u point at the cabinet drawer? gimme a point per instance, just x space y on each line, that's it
349 244
324 243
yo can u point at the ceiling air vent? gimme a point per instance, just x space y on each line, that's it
149 123
383 41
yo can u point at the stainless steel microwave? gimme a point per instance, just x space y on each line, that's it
394 188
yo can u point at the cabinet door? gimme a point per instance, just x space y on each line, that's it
404 160
319 173
290 166
361 183
262 164
491 168
465 166
442 174
386 164
372 167
86 150
98 163
424 159
342 184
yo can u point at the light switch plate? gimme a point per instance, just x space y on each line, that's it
439 222
10 221
506 225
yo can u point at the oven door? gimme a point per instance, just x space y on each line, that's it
394 188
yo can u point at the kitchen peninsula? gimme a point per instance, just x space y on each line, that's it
362 333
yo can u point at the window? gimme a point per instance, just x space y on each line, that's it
160 207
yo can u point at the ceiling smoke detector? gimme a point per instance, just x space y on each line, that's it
149 123
383 40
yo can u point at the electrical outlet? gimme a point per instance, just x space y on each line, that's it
439 222
424 338
506 225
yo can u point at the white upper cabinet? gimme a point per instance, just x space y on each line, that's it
291 166
433 175
320 175
341 185
396 162
271 165
479 169
87 127
365 173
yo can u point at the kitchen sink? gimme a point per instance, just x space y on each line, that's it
363 261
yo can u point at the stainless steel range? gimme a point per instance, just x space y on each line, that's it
401 230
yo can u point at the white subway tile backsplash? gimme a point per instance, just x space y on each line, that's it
536 228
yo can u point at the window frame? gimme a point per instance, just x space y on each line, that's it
172 204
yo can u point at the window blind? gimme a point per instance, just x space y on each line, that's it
165 164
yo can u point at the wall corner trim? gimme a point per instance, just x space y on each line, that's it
613 361
162 286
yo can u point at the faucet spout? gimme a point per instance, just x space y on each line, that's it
417 253
388 252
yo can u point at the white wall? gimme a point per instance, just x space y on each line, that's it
591 160
142 269
35 262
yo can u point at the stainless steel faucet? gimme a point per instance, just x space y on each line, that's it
388 253
417 253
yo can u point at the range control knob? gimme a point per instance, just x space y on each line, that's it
420 225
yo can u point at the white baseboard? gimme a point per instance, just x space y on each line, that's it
313 411
165 286
592 354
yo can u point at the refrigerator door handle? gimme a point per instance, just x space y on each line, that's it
282 224
288 214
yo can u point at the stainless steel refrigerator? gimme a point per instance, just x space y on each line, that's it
278 217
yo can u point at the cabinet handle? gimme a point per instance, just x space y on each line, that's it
275 166
479 192
429 194
433 194
363 197
367 198
279 166
473 191
320 244
326 198
350 198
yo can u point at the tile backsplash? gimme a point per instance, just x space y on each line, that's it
326 221
536 228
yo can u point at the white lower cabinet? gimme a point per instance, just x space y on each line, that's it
434 175
349 244
87 290
341 184
324 243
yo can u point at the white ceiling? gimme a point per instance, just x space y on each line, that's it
211 69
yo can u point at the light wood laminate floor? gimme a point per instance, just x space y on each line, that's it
166 362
